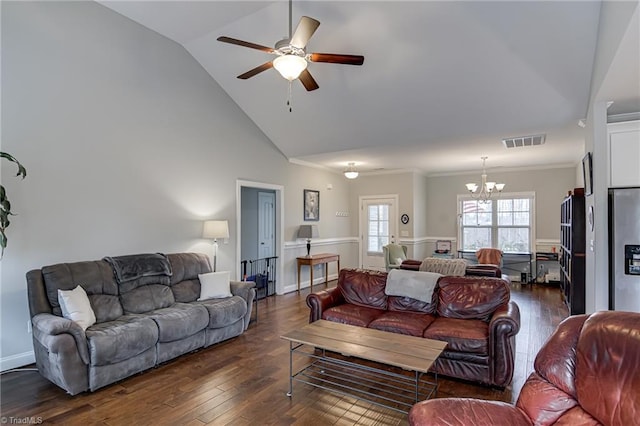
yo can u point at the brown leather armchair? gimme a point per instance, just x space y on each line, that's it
586 374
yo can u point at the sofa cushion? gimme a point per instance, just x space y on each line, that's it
543 402
106 307
471 297
179 321
224 312
147 298
96 277
186 267
410 323
214 285
401 304
606 372
352 314
114 341
363 288
396 253
461 335
75 306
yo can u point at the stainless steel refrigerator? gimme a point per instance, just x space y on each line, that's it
624 249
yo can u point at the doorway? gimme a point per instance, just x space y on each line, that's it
377 228
260 224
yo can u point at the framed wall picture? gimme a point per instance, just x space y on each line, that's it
587 174
311 205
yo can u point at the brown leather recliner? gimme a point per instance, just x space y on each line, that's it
588 373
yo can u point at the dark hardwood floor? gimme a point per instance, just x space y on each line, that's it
243 381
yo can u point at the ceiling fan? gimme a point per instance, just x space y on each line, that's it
292 60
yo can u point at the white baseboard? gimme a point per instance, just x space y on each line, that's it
17 360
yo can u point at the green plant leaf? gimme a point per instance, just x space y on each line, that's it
5 205
21 170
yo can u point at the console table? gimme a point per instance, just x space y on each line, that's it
317 259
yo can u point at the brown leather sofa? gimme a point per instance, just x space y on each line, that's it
586 374
472 314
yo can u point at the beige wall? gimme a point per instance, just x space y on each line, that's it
431 201
550 187
129 145
400 184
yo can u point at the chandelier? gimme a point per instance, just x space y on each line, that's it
351 172
486 188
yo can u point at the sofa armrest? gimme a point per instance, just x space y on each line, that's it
246 290
323 300
466 411
484 270
503 327
47 329
242 289
411 264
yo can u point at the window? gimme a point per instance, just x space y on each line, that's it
505 223
378 235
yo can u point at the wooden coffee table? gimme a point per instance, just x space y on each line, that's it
338 363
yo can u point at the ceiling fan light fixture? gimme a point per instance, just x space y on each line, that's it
351 172
290 66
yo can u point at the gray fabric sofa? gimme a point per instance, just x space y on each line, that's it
140 323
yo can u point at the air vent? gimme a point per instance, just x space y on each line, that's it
523 141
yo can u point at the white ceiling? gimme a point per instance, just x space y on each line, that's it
442 82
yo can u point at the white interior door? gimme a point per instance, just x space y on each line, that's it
266 224
377 229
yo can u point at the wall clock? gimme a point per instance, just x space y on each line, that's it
404 218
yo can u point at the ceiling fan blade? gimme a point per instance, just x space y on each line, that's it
305 29
256 70
307 81
335 58
245 44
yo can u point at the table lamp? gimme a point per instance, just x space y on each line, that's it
214 229
308 232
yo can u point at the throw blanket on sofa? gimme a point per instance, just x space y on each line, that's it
413 284
129 268
455 267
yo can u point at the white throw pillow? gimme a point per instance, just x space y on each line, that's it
214 285
76 307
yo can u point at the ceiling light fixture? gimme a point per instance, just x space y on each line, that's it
290 66
351 172
486 188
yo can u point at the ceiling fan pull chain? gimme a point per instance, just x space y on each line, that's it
290 100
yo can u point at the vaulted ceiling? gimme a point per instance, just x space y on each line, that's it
442 83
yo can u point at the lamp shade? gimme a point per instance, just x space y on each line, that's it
290 66
215 229
308 231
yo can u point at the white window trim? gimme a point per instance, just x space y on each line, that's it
527 194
